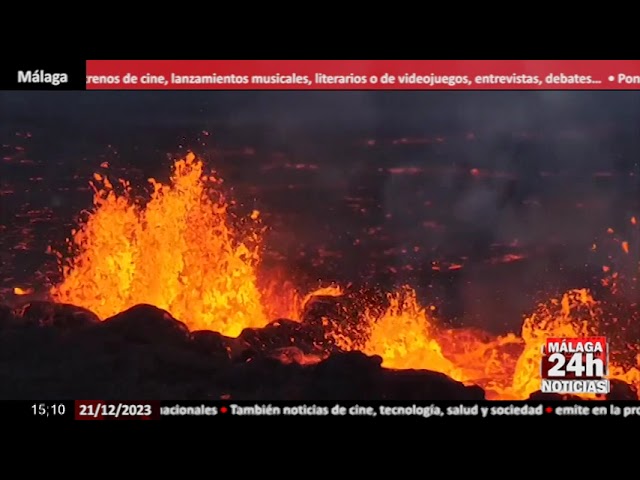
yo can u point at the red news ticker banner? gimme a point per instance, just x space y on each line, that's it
363 74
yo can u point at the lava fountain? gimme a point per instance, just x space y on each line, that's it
183 251
178 252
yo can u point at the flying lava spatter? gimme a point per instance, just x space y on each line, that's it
181 252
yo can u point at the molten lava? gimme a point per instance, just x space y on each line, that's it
178 252
405 337
182 251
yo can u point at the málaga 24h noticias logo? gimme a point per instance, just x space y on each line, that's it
575 365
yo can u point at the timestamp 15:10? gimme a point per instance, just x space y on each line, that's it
45 410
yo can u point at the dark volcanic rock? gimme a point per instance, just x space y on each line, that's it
322 307
30 346
335 317
146 353
355 376
57 315
621 391
327 312
289 355
261 378
284 333
539 396
342 376
6 317
346 376
147 324
336 364
212 343
424 385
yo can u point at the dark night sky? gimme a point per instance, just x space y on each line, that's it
581 133
309 123
340 110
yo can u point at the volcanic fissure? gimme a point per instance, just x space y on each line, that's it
133 268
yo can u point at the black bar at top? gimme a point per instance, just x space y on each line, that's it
56 74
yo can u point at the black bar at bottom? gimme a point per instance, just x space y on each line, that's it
27 74
50 411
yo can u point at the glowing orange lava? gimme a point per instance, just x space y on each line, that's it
178 252
406 336
182 252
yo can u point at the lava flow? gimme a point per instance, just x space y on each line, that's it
181 251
